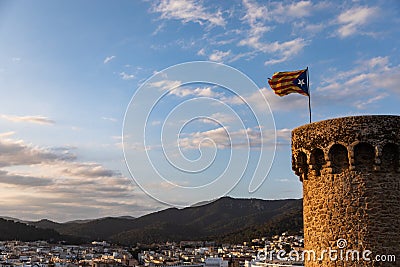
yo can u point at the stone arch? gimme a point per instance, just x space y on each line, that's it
338 156
390 157
364 157
301 164
317 160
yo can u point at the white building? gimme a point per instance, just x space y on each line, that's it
216 262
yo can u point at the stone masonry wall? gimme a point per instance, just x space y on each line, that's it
350 169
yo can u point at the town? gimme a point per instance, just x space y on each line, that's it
184 253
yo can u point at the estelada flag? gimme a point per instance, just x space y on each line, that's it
287 82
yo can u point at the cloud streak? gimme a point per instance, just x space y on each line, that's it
352 20
370 80
125 76
224 138
257 16
30 119
108 59
183 91
219 56
7 178
188 11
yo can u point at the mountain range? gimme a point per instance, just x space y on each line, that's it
223 220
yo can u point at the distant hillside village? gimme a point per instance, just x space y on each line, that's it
185 253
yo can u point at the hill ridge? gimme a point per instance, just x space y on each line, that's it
225 219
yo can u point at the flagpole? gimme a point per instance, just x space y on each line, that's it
309 94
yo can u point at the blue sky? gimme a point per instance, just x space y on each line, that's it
69 69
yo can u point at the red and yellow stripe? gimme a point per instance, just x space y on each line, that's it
282 83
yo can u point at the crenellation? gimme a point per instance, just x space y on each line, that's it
351 184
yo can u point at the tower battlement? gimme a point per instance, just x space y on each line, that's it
363 143
350 169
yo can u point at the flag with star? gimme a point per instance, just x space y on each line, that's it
286 82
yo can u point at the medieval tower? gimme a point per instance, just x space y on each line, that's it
350 171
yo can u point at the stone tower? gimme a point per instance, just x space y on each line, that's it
350 171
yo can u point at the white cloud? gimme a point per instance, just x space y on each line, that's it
254 12
283 180
188 11
175 88
365 103
307 27
201 52
222 56
256 17
6 134
278 11
352 20
224 138
219 56
109 119
88 170
218 137
159 28
165 85
13 179
285 50
126 76
156 123
368 82
17 153
30 119
219 118
183 91
282 13
108 59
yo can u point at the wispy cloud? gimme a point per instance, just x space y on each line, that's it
188 11
219 117
363 104
283 180
108 59
18 153
109 119
282 12
309 28
126 76
254 12
286 50
256 17
89 170
7 134
7 178
183 91
224 138
351 21
30 119
219 56
165 85
370 80
201 52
